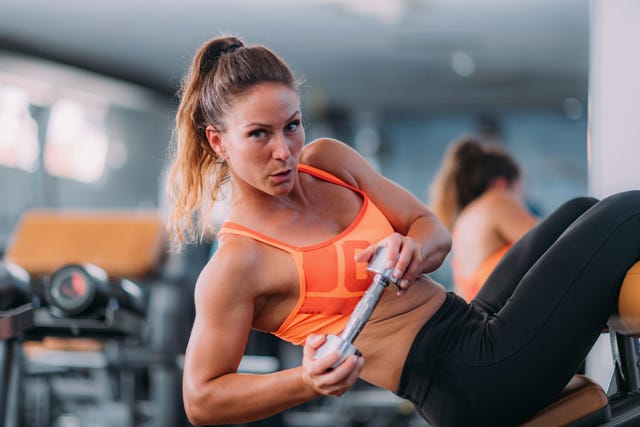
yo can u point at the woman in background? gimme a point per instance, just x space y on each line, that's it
477 193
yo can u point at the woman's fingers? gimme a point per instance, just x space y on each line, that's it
319 375
337 381
403 256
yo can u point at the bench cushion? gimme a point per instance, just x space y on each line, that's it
626 320
581 397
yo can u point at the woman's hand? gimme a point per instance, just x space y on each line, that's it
404 256
318 375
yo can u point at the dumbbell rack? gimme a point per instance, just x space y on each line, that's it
33 323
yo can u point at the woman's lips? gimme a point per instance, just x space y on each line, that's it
282 176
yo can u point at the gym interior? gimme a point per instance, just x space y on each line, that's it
95 311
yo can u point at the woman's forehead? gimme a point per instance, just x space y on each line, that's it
265 103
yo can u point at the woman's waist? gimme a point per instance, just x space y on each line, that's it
421 299
387 337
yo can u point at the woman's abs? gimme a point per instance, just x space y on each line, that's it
387 337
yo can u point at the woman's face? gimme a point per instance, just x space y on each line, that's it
263 138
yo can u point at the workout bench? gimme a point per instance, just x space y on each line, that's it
126 244
584 403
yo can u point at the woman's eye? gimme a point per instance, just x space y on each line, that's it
257 133
293 126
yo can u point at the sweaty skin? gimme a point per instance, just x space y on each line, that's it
248 284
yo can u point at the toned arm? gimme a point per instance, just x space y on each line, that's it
422 241
214 393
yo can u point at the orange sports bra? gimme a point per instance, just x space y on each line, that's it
331 282
468 287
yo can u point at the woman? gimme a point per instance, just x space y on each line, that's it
303 222
477 193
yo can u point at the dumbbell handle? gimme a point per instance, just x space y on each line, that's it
364 308
361 313
344 343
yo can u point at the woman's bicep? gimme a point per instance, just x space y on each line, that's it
397 203
399 206
221 328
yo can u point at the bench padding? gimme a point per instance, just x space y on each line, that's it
581 397
627 319
124 243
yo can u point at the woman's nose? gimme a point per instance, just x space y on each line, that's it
281 149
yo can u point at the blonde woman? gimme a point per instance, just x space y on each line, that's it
303 222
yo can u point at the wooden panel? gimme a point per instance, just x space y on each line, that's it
124 243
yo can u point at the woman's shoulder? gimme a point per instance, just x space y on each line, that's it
235 257
501 211
500 199
236 252
485 208
322 152
492 198
332 156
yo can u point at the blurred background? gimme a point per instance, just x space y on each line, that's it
88 97
88 88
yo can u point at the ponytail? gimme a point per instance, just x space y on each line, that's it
221 68
467 171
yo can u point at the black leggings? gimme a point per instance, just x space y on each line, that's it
501 358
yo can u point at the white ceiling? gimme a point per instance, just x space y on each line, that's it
525 52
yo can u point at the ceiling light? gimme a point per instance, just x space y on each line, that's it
462 63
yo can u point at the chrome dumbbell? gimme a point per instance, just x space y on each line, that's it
362 312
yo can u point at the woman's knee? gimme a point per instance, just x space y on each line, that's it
573 208
624 202
580 204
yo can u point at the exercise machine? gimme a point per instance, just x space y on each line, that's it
100 320
80 302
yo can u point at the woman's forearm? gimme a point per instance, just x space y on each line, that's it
238 398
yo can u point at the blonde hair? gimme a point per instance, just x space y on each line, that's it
222 68
468 169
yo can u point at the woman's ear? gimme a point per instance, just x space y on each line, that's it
499 183
215 140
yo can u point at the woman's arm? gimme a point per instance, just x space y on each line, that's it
421 241
213 391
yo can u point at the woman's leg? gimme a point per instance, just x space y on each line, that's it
556 312
524 253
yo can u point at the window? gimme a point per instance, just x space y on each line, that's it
76 143
19 137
